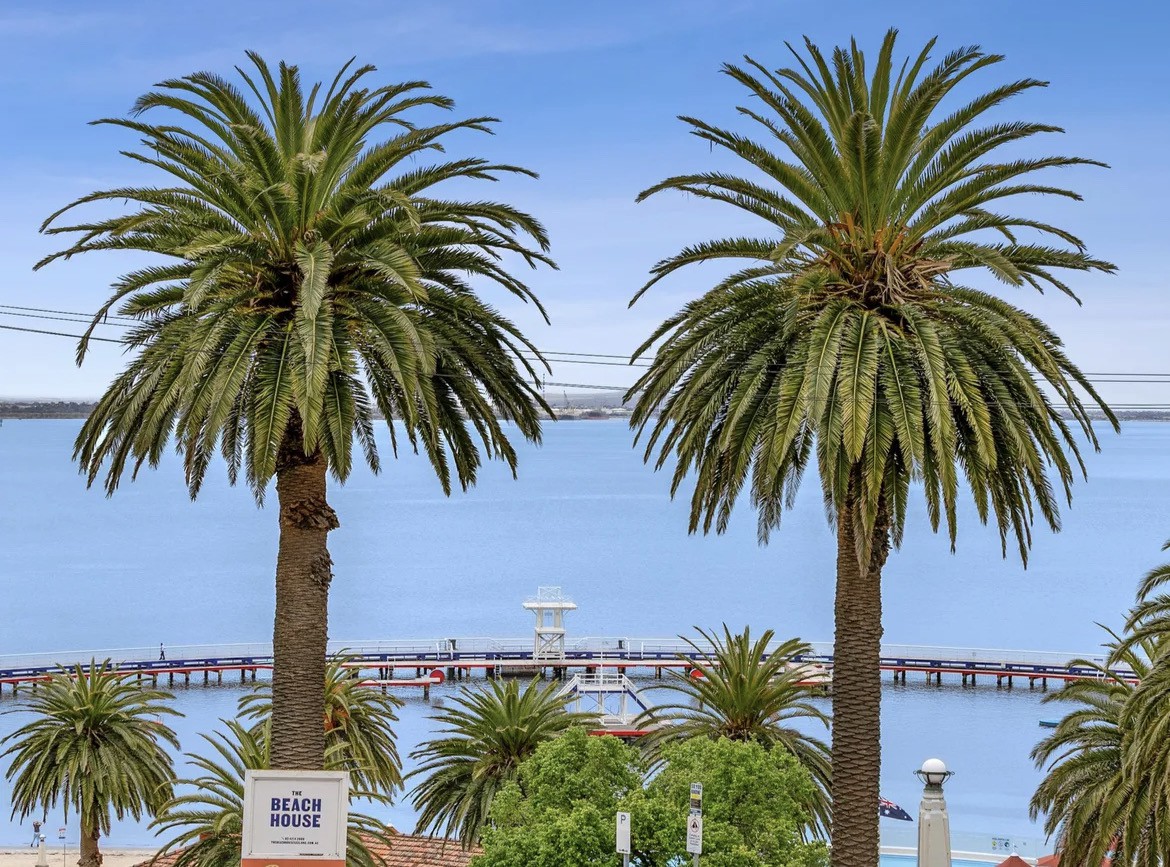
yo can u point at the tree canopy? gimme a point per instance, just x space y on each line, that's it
561 809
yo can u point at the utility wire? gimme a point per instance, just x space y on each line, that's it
545 385
57 333
86 316
130 322
577 357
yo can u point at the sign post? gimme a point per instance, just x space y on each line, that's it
295 818
64 846
623 838
695 822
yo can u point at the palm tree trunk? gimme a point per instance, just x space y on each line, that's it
303 573
857 684
91 856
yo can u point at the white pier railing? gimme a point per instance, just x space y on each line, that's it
594 649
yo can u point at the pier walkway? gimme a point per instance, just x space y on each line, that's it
429 662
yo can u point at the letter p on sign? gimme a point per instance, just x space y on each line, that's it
623 833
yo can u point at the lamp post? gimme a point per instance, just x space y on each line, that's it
934 828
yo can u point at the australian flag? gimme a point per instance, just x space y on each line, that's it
892 811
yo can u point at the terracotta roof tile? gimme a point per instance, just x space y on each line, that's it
403 850
410 851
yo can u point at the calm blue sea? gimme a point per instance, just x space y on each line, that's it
80 571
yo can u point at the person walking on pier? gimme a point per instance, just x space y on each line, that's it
162 654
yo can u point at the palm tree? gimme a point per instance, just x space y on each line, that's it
96 745
851 335
209 816
745 690
313 276
487 734
1144 839
359 726
1088 796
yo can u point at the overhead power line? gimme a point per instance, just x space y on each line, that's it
57 333
545 385
552 356
86 316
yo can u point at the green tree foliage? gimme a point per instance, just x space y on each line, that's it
746 691
208 815
755 804
1107 788
306 269
359 726
851 334
560 811
97 746
485 735
561 808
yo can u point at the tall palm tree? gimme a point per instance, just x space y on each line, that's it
487 734
359 726
315 273
96 745
1088 795
746 690
852 335
209 815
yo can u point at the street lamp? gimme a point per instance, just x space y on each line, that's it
934 772
934 827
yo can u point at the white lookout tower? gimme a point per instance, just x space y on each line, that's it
549 606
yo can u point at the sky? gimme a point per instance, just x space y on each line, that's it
588 95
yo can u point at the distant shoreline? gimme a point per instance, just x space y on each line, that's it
66 409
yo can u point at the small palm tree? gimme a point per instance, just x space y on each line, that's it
851 336
314 273
97 746
1088 796
359 726
487 734
209 815
746 690
1145 838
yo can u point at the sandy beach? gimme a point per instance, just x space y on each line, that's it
16 857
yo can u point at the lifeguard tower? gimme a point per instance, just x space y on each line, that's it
549 605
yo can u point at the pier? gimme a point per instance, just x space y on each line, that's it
425 663
548 651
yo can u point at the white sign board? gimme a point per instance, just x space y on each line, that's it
294 816
623 833
695 833
696 797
